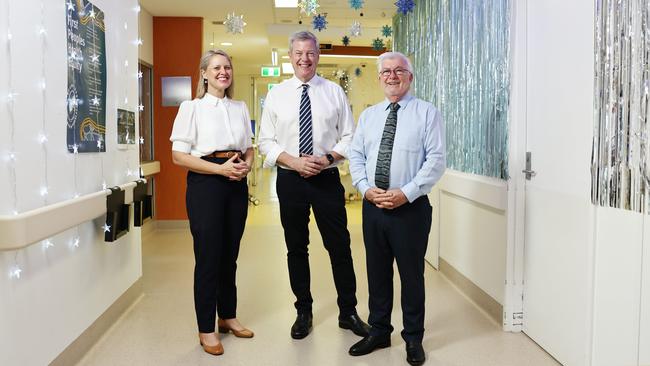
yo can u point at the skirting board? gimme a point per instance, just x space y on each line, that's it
78 348
484 301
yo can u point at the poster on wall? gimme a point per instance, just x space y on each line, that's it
86 130
125 127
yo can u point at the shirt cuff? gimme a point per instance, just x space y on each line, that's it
411 191
272 156
343 151
363 187
181 146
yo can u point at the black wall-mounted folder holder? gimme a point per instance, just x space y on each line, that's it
141 203
117 215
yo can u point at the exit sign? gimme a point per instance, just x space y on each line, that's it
270 71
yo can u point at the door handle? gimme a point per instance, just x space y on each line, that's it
529 171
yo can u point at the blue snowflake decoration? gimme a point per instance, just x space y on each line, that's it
357 72
356 4
377 44
345 40
319 22
405 6
386 31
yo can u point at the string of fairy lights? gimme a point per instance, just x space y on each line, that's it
42 138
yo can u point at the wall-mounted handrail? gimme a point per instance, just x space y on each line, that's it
27 228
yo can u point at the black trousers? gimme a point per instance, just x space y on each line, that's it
326 196
217 210
401 234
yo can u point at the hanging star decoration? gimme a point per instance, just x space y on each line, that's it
355 29
377 44
356 4
319 22
386 31
340 74
234 23
405 6
345 40
308 7
357 72
106 227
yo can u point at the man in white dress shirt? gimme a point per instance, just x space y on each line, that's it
306 129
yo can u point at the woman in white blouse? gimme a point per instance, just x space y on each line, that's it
212 138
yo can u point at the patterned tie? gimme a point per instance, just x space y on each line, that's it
305 139
382 172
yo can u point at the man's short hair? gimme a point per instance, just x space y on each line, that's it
391 56
303 36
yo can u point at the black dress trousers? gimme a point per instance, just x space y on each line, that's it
217 210
326 196
401 234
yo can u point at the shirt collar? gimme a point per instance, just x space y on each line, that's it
402 102
212 100
297 83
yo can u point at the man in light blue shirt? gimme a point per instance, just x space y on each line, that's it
396 156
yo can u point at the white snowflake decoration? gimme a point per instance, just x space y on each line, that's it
355 29
234 23
308 7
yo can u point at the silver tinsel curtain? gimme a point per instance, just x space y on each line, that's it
460 51
619 167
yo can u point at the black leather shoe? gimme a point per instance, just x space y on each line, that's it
414 353
369 344
355 324
302 326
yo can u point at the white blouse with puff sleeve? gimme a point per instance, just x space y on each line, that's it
210 124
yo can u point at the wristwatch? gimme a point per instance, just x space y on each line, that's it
330 158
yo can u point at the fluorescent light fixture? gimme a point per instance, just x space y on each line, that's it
226 43
287 68
286 3
285 57
274 57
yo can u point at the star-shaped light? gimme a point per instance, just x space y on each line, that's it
308 7
234 23
106 227
139 42
139 74
141 140
319 22
47 243
92 13
43 191
73 102
104 185
95 100
99 144
15 272
140 108
70 5
73 55
386 31
94 57
126 63
75 149
75 242
355 29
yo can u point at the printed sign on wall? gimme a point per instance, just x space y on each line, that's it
86 128
125 127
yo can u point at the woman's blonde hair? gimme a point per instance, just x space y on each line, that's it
202 85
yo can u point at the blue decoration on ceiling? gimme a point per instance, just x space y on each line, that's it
356 4
345 40
386 31
377 44
319 22
357 72
405 6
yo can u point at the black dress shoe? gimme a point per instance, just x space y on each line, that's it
369 344
355 324
302 326
414 353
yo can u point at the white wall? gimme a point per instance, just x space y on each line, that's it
63 289
145 29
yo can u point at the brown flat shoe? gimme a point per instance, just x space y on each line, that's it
213 350
224 328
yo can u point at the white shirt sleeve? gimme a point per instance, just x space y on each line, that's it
184 131
345 124
268 143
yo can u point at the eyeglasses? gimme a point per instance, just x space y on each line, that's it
399 72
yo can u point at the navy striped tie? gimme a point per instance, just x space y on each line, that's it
305 138
382 172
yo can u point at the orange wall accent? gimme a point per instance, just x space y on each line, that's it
177 49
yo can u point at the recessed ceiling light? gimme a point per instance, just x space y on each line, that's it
226 44
286 3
